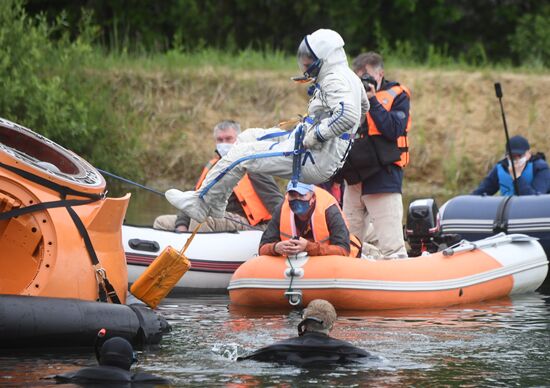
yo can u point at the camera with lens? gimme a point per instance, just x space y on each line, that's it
368 79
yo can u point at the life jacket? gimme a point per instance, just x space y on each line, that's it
386 99
319 225
506 182
315 349
252 205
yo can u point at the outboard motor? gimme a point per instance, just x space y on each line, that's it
422 226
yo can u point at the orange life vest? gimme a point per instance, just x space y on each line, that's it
253 206
386 99
319 225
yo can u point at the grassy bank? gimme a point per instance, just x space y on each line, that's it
457 130
148 116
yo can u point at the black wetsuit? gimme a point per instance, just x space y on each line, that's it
312 348
110 376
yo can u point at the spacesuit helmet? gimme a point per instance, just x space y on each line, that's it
315 49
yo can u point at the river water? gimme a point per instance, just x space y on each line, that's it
504 342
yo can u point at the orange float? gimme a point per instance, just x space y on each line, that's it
60 237
469 273
44 252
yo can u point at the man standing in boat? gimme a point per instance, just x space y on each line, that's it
313 151
532 174
251 203
373 172
313 346
309 220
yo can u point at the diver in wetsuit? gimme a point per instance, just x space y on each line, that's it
313 346
115 358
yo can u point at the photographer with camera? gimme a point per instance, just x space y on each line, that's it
374 168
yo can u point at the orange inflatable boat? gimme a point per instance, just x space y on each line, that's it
60 237
467 273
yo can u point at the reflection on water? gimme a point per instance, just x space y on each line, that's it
499 343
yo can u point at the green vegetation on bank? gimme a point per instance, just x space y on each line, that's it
147 115
48 86
471 31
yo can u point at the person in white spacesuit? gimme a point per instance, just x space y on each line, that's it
335 110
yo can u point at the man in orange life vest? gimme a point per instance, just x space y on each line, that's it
251 203
309 220
374 168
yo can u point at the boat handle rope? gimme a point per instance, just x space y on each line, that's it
294 296
105 288
493 241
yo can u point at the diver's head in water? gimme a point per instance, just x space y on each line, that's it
319 316
117 352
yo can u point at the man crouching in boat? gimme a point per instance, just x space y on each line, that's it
313 346
251 202
309 220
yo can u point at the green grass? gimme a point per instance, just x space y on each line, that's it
278 61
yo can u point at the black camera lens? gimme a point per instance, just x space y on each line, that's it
368 79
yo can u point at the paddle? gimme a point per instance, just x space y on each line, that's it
498 91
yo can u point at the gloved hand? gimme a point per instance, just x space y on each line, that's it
311 142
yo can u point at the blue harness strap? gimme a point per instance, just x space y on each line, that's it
245 158
273 135
296 157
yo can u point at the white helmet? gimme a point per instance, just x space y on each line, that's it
317 48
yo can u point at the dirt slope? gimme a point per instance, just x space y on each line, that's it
457 128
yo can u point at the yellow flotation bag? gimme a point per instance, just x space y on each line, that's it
163 274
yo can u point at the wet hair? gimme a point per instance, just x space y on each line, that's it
225 125
117 352
371 58
323 311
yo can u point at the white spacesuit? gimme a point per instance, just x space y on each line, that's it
335 111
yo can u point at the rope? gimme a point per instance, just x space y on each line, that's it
162 195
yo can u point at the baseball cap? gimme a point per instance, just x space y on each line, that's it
518 145
300 188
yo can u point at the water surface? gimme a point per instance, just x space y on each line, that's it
504 342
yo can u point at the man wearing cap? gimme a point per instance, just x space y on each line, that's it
313 346
531 172
308 220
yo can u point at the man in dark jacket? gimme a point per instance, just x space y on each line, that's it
531 172
374 168
313 346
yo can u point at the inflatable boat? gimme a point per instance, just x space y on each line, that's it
63 271
468 272
214 257
473 217
476 217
